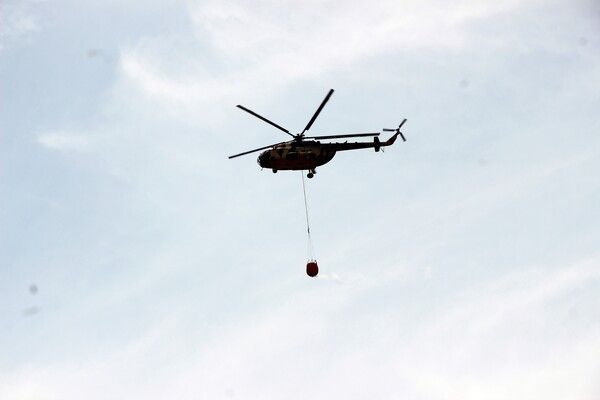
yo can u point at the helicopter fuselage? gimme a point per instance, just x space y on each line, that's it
305 155
309 154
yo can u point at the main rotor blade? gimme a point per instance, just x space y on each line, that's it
264 119
325 100
252 151
342 136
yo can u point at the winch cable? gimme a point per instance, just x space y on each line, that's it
310 248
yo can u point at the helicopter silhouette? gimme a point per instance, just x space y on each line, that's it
304 153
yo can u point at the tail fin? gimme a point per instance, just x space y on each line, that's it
376 143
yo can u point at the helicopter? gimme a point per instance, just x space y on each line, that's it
304 153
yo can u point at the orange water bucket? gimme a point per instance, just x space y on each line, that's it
312 269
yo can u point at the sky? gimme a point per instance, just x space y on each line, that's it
137 261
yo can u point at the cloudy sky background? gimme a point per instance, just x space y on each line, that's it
463 264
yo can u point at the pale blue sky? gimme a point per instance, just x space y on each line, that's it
462 264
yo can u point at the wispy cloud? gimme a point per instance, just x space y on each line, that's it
183 262
18 20
510 338
64 141
264 49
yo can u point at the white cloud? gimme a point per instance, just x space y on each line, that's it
263 49
348 334
510 338
17 21
63 141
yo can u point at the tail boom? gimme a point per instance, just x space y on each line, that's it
376 144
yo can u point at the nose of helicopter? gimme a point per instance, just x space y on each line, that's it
263 159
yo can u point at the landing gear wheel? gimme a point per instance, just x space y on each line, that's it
310 175
274 171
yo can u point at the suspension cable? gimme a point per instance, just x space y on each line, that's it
309 244
305 204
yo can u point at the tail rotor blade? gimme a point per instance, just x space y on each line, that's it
397 130
314 117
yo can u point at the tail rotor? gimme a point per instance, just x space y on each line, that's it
397 130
